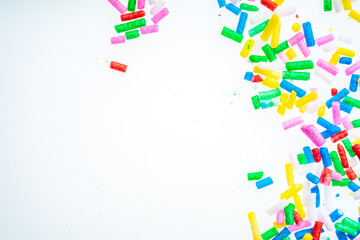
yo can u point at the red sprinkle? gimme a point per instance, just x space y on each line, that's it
317 230
316 154
269 4
325 177
342 154
339 136
334 91
356 149
132 16
297 218
351 174
256 78
118 66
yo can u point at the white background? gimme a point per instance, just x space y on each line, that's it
160 152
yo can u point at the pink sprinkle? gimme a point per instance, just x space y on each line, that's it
149 29
304 48
141 4
292 122
283 57
302 225
296 38
160 15
117 40
118 5
350 70
328 67
313 134
336 176
336 112
347 123
280 217
324 40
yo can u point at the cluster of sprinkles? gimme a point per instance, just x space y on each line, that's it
134 22
321 168
340 5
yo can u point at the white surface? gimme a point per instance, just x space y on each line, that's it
160 152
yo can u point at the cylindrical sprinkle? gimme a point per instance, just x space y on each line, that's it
327 5
118 66
118 39
255 175
351 223
283 234
160 15
271 26
292 99
317 230
354 82
339 136
307 236
352 101
283 57
296 38
275 37
348 147
269 4
254 226
294 189
289 174
347 123
323 40
336 215
289 214
301 158
132 34
345 229
280 217
306 99
346 5
256 102
316 154
269 53
248 7
324 152
299 65
264 182
124 27
353 186
247 48
316 191
327 67
269 234
258 28
336 176
350 174
303 48
343 157
336 113
232 8
313 134
149 29
339 96
312 178
336 162
308 154
118 5
141 4
345 60
131 5
350 70
242 22
292 122
266 95
258 58
344 183
354 15
309 36
291 87
334 59
299 206
222 3
290 53
132 16
345 52
281 47
271 83
304 76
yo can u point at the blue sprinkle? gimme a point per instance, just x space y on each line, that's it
309 36
248 76
222 3
232 8
337 195
353 186
312 178
354 82
289 87
264 182
308 154
242 22
340 95
315 190
336 215
325 156
345 60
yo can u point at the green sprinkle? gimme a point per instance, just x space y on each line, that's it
356 123
299 65
348 147
289 214
327 5
352 101
227 32
267 95
337 163
255 176
351 223
281 47
258 28
130 25
269 53
248 7
296 75
345 229
256 102
302 159
269 234
131 5
344 183
257 58
132 34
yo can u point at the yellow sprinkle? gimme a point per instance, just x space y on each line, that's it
277 226
281 109
334 59
356 141
330 29
345 52
292 99
354 15
303 108
267 73
296 27
346 5
284 98
321 110
289 173
290 53
275 36
247 48
279 2
294 189
254 226
270 28
271 83
299 206
306 99
307 236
